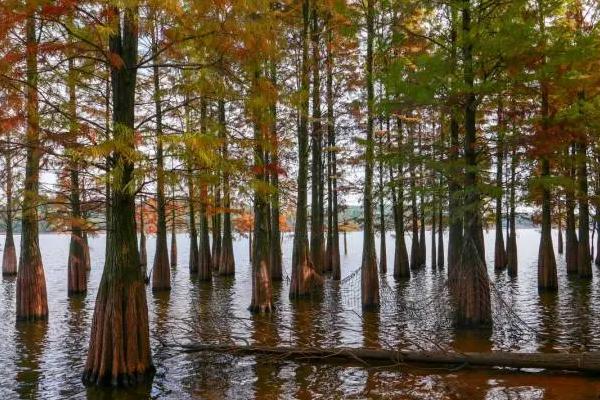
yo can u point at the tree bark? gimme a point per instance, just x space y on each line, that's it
227 260
588 362
415 249
9 257
161 271
455 217
333 237
261 270
511 246
204 257
584 262
275 233
382 228
173 236
401 263
571 248
368 277
143 253
316 225
194 257
303 273
500 257
471 287
119 352
32 300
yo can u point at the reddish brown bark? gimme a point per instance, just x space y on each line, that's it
161 271
9 256
226 259
119 351
32 301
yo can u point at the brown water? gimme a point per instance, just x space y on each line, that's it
45 360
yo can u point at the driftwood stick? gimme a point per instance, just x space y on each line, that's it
585 362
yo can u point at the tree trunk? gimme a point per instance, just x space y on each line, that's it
173 236
584 262
500 258
511 246
440 252
32 300
227 260
76 264
571 250
433 231
401 263
261 270
161 271
119 352
415 249
382 230
588 362
333 237
316 225
368 277
275 238
204 257
143 253
216 226
455 217
9 257
471 288
303 273
560 235
547 279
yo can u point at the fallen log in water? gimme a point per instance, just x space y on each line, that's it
585 362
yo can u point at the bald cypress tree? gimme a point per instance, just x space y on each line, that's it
32 300
119 351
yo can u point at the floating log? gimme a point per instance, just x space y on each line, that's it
584 362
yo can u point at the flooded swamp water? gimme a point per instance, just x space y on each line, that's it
45 360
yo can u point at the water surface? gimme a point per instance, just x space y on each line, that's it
45 360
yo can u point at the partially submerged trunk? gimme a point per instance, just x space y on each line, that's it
333 236
119 352
76 264
547 278
587 362
511 245
143 253
455 217
32 300
261 271
440 252
584 262
571 245
77 272
560 235
470 286
317 254
204 257
368 277
173 238
401 263
382 247
226 260
304 277
415 249
275 233
9 257
161 271
500 257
